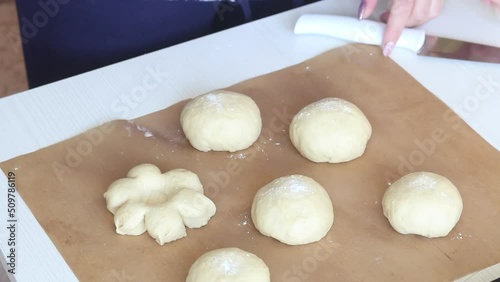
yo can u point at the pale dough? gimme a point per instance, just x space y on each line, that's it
331 130
293 209
423 203
163 204
228 265
221 121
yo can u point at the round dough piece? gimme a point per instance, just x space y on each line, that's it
221 121
422 203
330 130
293 209
228 265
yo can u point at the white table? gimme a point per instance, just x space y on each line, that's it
43 116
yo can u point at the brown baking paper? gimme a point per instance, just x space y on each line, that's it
63 185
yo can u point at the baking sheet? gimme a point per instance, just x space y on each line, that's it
412 131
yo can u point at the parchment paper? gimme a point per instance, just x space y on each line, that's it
412 131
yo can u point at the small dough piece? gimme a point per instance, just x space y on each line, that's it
129 218
423 203
160 203
194 207
293 209
228 265
331 130
221 121
164 224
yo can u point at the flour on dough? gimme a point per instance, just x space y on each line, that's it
331 130
293 209
423 203
228 265
221 121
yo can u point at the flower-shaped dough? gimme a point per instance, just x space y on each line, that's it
162 204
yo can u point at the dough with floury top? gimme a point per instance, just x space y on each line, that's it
423 203
163 204
221 121
330 130
293 209
228 265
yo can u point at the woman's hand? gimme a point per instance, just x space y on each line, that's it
493 3
404 13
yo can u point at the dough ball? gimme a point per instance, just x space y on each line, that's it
422 203
221 121
293 209
228 265
331 130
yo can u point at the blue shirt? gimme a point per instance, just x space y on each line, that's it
62 38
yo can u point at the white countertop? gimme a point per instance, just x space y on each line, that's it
43 116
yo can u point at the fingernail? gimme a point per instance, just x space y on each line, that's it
388 47
361 9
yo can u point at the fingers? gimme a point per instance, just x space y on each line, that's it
493 2
385 17
400 12
369 8
403 13
407 13
424 11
